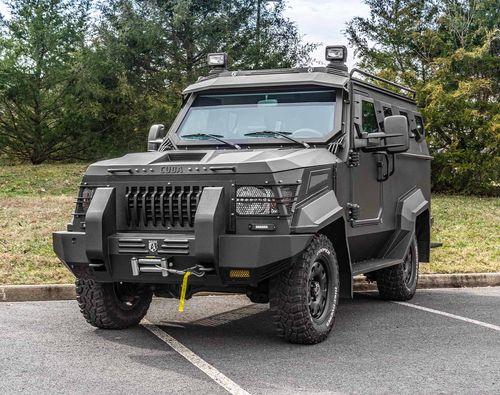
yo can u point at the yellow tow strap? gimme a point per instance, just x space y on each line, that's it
183 291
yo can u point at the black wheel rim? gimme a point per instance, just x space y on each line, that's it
318 288
126 294
409 271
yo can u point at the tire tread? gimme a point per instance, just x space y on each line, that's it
101 309
289 307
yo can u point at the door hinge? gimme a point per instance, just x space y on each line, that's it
353 211
353 159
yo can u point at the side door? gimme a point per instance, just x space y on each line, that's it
366 191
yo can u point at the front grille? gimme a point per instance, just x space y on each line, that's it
164 247
155 206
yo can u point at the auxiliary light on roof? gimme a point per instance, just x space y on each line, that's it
217 59
336 53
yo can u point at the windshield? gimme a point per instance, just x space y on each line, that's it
241 116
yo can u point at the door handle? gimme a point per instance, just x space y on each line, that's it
383 174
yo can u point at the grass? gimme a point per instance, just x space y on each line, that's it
26 226
469 228
42 180
37 200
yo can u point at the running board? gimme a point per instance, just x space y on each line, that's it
371 265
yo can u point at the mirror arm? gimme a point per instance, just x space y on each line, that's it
358 130
393 146
377 135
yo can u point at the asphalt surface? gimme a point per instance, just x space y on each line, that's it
375 347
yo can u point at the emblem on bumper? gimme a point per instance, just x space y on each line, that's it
153 246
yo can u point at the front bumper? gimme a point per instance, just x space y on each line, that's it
262 255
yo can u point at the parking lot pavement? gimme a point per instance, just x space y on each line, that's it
375 347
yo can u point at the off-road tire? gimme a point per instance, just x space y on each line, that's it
393 282
102 308
290 293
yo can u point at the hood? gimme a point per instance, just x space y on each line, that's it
208 161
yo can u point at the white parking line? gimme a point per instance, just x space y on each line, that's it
457 317
224 381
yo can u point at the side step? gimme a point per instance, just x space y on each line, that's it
371 265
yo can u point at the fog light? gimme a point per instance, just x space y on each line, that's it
239 273
86 197
265 227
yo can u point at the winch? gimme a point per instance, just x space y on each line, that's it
161 265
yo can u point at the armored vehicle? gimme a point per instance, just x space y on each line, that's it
279 184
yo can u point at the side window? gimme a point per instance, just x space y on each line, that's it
405 114
420 127
387 111
369 117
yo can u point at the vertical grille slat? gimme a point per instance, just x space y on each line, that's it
153 205
127 198
190 222
144 213
162 206
135 211
179 206
171 206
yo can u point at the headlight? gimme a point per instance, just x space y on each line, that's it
252 200
86 197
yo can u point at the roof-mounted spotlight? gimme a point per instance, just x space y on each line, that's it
217 61
337 56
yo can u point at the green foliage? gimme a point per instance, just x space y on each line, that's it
41 108
147 52
448 51
75 87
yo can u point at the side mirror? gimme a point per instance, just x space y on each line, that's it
396 134
155 137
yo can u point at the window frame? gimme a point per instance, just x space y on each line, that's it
178 141
410 120
370 100
424 132
381 106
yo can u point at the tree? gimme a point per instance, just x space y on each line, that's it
146 52
443 49
41 105
72 86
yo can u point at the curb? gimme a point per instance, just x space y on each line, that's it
32 293
426 281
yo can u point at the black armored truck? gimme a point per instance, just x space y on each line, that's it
279 184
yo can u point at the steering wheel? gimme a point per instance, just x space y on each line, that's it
307 130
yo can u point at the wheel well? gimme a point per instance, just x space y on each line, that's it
336 233
423 232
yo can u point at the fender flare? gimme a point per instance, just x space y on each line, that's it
409 207
325 215
315 215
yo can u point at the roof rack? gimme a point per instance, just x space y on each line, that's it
411 92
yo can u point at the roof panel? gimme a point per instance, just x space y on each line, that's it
235 80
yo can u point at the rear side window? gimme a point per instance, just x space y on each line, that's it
420 131
369 117
405 114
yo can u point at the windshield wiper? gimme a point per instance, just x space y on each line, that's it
281 134
211 136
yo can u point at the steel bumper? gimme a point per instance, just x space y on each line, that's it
262 255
